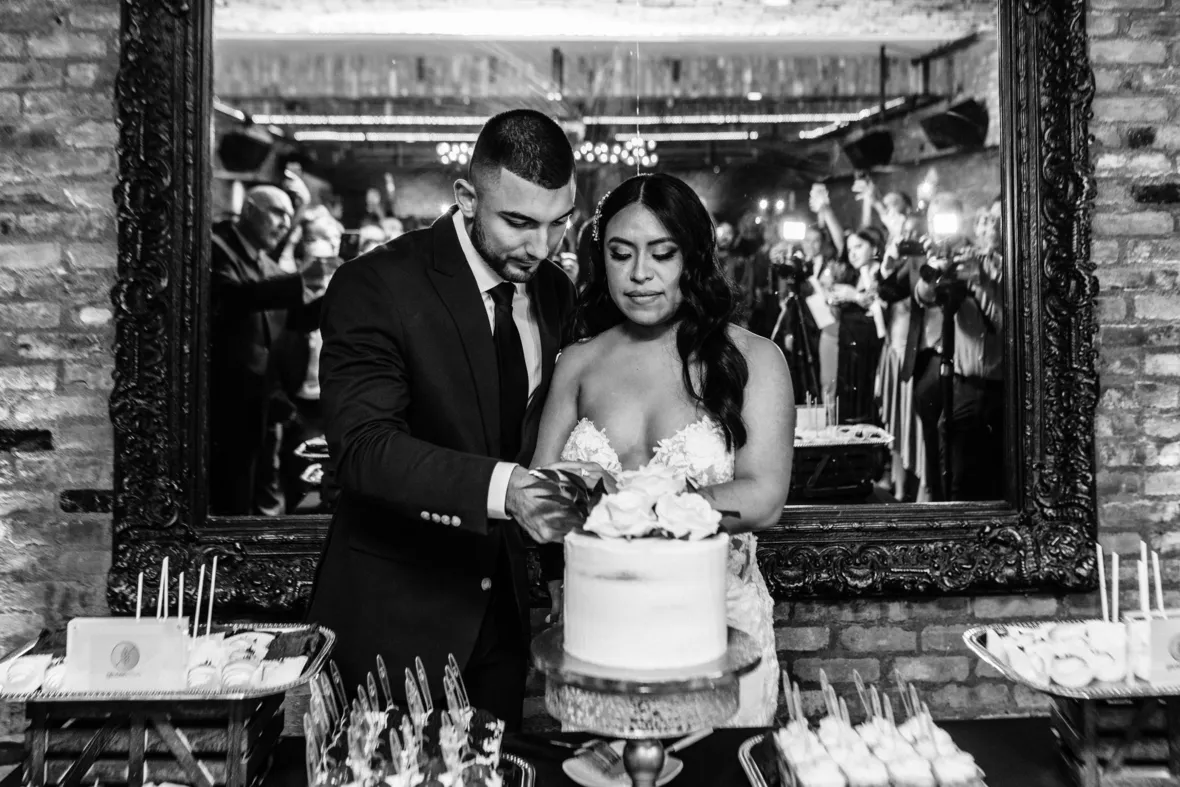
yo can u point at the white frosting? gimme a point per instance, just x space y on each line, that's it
645 603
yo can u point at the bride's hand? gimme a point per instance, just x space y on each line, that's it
590 472
555 607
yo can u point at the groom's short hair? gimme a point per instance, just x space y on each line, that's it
528 144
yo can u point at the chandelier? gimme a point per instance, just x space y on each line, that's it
454 152
632 152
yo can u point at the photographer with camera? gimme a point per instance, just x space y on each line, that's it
964 280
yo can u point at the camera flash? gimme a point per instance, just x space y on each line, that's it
944 224
793 230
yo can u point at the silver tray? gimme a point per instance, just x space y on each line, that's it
973 637
519 774
315 663
754 773
849 435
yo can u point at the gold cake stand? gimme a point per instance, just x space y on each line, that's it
642 706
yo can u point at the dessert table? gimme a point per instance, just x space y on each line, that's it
1012 752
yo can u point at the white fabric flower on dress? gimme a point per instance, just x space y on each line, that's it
587 443
687 516
625 514
698 452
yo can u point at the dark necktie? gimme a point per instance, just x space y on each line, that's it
514 375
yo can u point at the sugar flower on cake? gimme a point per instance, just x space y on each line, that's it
687 516
653 502
654 480
629 513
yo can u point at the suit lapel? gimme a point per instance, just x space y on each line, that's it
452 278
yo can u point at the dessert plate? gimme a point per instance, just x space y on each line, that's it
587 775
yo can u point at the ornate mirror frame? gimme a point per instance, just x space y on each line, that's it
1041 538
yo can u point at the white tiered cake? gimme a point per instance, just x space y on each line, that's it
645 603
645 586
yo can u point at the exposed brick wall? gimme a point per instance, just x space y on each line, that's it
57 60
57 262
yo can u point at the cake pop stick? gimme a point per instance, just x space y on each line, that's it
166 582
180 597
139 596
1159 584
1144 593
212 595
197 612
421 670
843 708
374 697
876 702
160 590
1102 584
1143 550
383 678
1114 587
798 700
459 680
861 693
889 711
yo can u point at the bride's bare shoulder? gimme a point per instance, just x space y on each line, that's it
758 350
584 351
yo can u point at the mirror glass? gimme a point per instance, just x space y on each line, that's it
848 152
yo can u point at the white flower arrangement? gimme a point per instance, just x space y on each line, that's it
653 502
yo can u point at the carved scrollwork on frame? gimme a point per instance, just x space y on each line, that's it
1040 538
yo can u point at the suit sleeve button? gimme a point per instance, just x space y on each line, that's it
446 519
435 518
426 515
485 584
456 521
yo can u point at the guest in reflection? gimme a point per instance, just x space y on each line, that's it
894 393
852 296
297 359
976 447
916 350
252 301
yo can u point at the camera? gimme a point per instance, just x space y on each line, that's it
790 263
910 248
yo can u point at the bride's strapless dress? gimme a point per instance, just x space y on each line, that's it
699 452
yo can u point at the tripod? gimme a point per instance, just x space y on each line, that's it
794 325
950 300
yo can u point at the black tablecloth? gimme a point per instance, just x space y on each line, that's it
1012 752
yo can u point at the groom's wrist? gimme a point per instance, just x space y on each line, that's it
498 490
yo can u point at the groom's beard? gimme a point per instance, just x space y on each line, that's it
509 268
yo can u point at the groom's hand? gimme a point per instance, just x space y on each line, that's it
528 502
591 473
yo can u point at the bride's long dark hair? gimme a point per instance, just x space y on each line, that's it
703 318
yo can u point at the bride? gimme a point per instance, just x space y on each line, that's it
661 375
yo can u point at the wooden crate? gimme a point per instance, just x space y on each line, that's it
1119 743
205 743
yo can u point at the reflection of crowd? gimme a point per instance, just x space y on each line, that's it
270 266
869 318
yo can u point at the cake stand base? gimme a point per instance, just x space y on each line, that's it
642 707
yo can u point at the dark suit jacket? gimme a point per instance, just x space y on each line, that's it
409 387
252 302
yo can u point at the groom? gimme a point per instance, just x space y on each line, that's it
438 349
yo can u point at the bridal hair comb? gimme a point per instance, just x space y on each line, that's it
595 231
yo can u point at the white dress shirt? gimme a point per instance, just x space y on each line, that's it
530 335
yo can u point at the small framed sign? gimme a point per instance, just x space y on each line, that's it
126 654
1153 646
